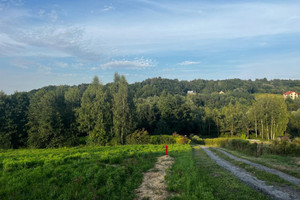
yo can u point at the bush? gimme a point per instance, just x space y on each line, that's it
283 146
180 139
196 139
215 141
242 145
138 137
162 139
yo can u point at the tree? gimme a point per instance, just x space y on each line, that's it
13 119
147 113
72 103
91 114
4 137
271 112
46 119
232 118
122 109
294 125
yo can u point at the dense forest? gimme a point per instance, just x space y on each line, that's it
100 114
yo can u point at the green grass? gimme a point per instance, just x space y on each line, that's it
195 176
270 179
286 164
184 180
77 173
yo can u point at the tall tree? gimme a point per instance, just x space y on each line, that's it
122 109
271 113
4 137
232 120
13 119
72 102
46 119
91 114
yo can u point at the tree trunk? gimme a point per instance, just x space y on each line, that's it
248 133
255 127
232 129
268 133
262 129
272 129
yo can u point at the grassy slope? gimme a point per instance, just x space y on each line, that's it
76 173
286 164
196 176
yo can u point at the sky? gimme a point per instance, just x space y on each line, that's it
57 42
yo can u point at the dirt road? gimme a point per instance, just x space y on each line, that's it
274 192
282 175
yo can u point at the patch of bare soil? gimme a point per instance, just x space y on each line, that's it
154 186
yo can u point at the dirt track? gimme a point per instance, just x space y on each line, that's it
274 192
282 175
153 186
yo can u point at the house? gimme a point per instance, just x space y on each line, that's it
290 94
191 92
221 92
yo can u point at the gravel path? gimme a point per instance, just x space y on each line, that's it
282 175
274 192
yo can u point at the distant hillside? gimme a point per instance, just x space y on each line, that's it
155 86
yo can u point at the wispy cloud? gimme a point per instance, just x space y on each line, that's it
21 63
188 63
107 8
129 64
61 37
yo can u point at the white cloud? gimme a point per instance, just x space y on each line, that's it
107 8
188 63
53 15
62 65
129 64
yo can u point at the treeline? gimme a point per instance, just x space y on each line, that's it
107 114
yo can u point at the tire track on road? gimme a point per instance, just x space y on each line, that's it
282 175
273 191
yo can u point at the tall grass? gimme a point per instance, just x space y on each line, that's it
77 173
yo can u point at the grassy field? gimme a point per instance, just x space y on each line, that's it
113 173
77 173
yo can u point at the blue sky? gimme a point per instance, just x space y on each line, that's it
68 42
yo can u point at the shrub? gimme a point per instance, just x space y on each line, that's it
210 142
138 137
162 139
284 146
196 139
180 139
215 141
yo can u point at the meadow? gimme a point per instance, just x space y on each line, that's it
77 173
114 172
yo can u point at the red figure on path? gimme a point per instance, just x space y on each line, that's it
166 149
